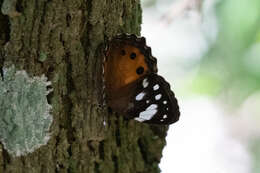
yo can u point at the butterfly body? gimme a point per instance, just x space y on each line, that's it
132 86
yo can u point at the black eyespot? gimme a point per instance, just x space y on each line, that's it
133 55
140 70
123 52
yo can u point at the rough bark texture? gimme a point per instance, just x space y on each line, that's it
63 39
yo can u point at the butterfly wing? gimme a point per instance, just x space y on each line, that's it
132 86
153 101
128 59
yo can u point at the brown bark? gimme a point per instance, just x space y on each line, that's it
63 39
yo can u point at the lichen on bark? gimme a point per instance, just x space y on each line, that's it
24 112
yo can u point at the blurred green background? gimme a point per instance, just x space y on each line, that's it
232 64
229 70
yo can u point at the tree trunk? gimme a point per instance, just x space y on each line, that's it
63 40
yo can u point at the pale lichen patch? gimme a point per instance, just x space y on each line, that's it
9 8
24 112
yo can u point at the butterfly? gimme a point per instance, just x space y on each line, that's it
133 87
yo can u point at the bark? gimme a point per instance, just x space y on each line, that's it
63 39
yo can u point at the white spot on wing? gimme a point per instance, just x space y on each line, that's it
156 87
165 116
139 119
153 106
140 96
145 83
165 102
158 96
147 101
147 114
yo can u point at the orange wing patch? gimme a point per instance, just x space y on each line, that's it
124 65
